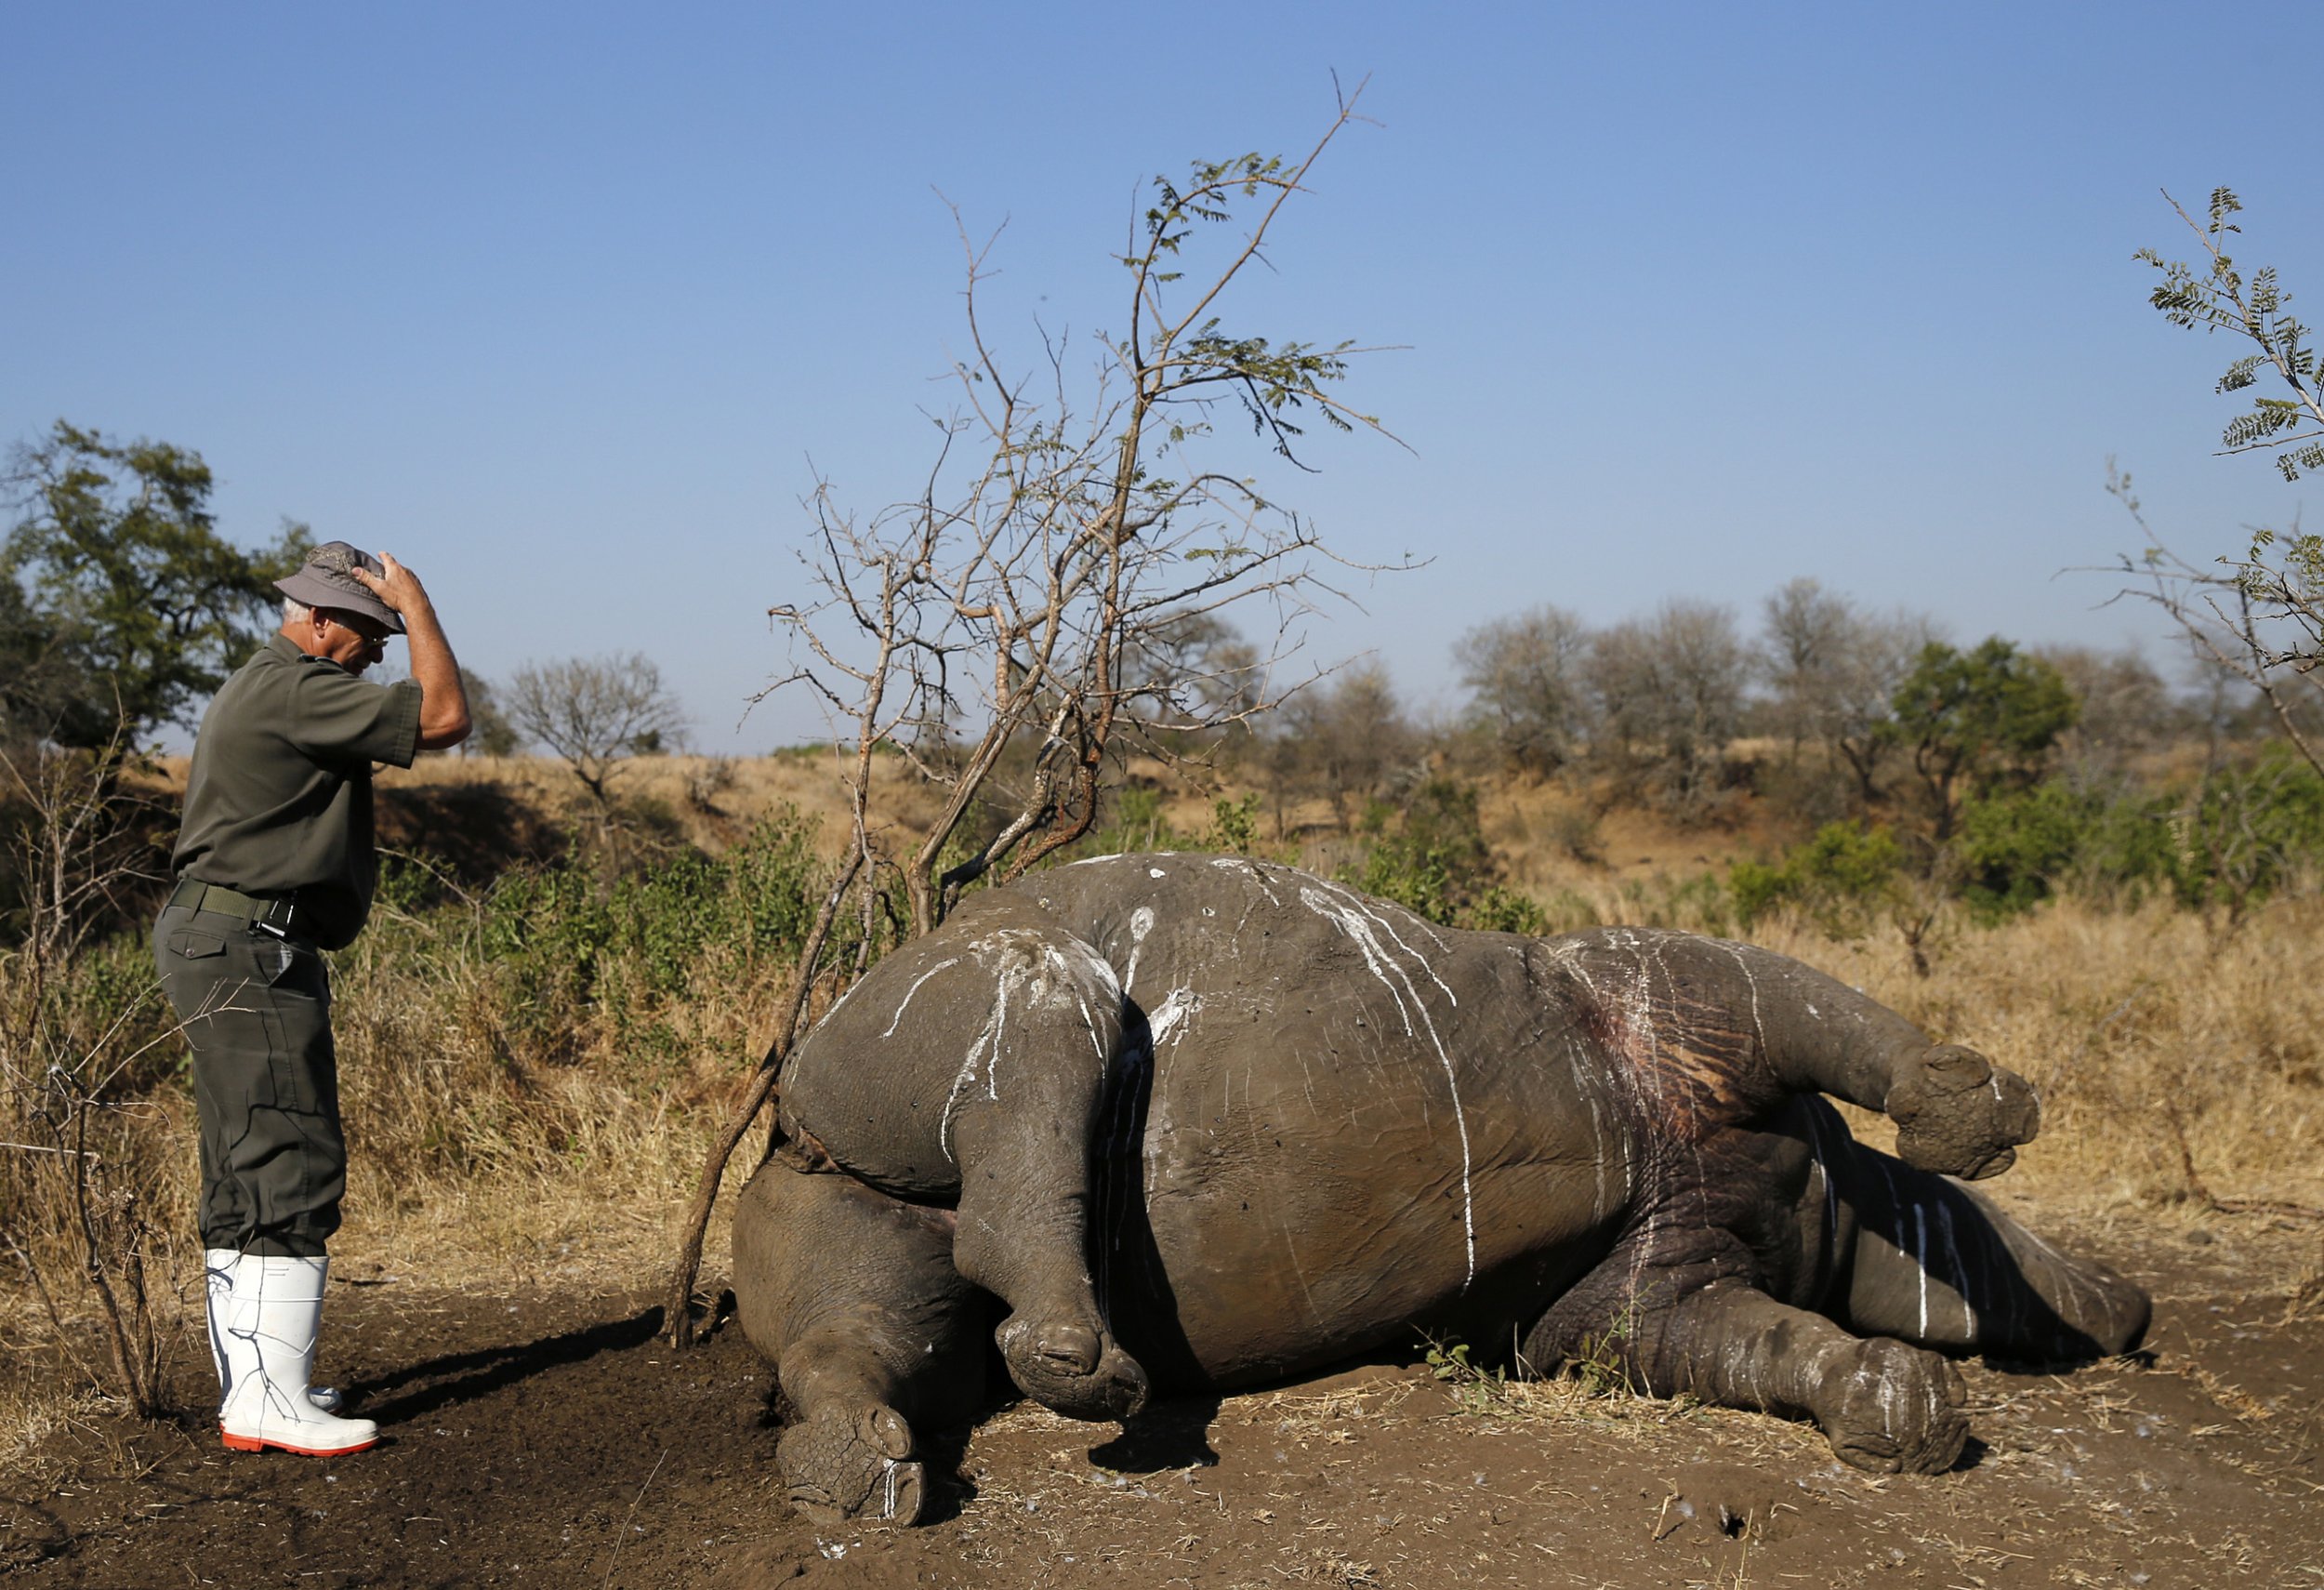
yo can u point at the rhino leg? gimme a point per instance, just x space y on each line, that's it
1717 1032
1884 1406
853 1296
1019 1123
1936 1263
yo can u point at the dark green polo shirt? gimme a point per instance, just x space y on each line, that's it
279 798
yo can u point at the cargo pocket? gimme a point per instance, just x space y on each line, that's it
191 943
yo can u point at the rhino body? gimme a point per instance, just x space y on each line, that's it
1187 1122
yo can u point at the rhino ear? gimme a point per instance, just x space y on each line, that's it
1957 1114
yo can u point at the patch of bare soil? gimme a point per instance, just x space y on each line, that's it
554 1441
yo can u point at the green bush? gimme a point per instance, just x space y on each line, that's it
1845 878
1233 825
2240 835
561 944
2017 848
1434 862
2248 832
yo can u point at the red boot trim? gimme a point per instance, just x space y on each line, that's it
260 1444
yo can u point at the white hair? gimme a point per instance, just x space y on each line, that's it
295 611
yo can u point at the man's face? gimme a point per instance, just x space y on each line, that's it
349 639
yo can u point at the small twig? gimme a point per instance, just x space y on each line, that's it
633 1514
38 1149
1659 1530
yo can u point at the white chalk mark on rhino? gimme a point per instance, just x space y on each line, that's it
1369 908
1068 983
1164 1023
1236 863
1920 1256
999 1028
1141 925
1598 1205
906 1002
959 1084
1958 1272
1096 1039
1751 979
1380 962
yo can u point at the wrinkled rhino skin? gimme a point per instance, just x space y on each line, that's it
1199 1121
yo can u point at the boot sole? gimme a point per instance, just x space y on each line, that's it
260 1443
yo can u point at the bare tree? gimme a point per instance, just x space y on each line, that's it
2127 709
1340 742
76 847
78 853
1804 643
1526 674
74 1206
1072 524
1833 670
1670 695
1066 526
595 713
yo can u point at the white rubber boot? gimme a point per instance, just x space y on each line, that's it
217 1265
265 1348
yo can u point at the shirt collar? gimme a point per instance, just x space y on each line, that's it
282 646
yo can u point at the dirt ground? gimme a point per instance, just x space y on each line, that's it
552 1440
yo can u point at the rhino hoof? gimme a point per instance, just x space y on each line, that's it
1960 1115
1072 1369
1899 1410
841 1467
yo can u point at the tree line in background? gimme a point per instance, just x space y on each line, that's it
1907 771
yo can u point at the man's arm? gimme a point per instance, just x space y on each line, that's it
443 719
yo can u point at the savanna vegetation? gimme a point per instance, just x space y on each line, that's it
2105 869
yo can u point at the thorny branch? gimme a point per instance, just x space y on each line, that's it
2234 617
2260 615
1009 610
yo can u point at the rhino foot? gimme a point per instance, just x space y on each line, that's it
1957 1114
842 1464
1071 1369
1897 1409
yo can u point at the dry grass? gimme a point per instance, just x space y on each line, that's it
2176 1067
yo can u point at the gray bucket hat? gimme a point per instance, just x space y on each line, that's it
326 582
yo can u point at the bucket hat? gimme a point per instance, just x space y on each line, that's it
326 581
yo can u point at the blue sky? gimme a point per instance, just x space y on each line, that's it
567 306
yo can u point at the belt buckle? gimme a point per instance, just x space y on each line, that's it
282 907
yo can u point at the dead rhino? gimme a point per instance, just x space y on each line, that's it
1183 1122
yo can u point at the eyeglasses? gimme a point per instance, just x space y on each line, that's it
369 636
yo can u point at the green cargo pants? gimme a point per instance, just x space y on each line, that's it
257 1009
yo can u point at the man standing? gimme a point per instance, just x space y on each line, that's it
275 864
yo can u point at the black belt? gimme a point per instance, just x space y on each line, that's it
279 914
